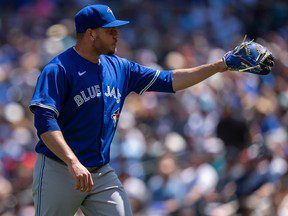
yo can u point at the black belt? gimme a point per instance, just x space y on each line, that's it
90 169
93 169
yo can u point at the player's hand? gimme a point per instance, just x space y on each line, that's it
84 181
249 57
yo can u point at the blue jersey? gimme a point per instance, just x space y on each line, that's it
87 99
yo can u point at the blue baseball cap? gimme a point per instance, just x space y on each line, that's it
96 16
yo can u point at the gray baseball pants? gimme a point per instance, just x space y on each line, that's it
54 192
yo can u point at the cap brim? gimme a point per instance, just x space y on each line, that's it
115 23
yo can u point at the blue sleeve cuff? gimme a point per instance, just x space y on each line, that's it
33 105
163 82
45 120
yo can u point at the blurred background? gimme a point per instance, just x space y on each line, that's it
219 148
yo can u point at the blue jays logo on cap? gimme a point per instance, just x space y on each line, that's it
96 16
110 11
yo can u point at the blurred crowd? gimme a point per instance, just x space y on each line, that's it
219 148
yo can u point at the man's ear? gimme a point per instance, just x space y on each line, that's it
91 34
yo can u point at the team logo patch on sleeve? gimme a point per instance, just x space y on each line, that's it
115 116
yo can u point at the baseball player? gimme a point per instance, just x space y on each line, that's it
77 103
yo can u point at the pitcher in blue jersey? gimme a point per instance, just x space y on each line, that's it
77 103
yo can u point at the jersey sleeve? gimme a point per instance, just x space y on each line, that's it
44 120
50 89
142 79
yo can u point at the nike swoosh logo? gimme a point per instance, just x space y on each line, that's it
81 73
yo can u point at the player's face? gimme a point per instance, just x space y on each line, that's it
105 40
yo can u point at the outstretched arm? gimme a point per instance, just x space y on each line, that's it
248 57
184 78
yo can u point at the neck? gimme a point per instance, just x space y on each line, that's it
87 53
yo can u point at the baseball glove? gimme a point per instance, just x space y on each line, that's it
249 57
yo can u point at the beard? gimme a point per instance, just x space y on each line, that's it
104 49
112 52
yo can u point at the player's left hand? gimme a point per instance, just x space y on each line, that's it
249 57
